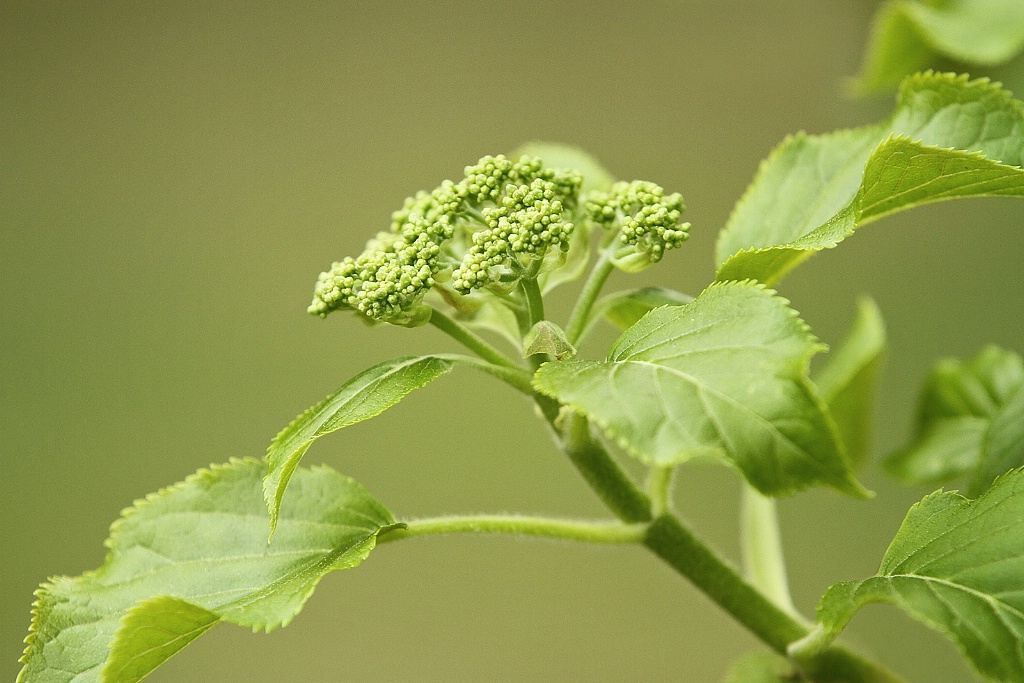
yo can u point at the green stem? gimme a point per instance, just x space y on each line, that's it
470 340
517 378
761 543
587 532
591 289
683 551
659 486
534 300
622 496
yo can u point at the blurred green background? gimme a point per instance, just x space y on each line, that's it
175 174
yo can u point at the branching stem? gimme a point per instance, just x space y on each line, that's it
534 300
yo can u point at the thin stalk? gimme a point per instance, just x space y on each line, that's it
659 486
517 378
763 559
470 340
591 289
569 530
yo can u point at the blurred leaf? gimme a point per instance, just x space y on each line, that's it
191 555
624 309
968 422
958 566
723 376
910 35
366 395
557 155
849 380
760 667
948 138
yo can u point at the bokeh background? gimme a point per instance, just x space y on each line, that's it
174 176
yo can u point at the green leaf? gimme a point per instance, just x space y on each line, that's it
624 309
760 667
366 395
191 555
849 379
948 138
547 337
968 422
910 35
723 376
958 566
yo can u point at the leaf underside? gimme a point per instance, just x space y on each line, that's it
724 376
958 566
909 35
366 395
192 555
948 138
970 422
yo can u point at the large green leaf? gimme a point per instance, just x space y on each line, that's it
191 555
948 138
848 381
958 566
366 395
910 35
970 421
723 376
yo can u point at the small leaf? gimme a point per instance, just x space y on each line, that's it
761 667
848 381
968 422
723 376
948 138
151 633
191 555
547 337
366 395
910 35
624 309
958 566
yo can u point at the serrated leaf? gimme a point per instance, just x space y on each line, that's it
366 395
192 554
969 422
958 566
909 35
761 667
848 381
723 376
948 138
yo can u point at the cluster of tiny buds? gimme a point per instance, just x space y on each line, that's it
645 216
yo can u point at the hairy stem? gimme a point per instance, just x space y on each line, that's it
606 478
761 543
587 532
591 289
470 340
683 551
